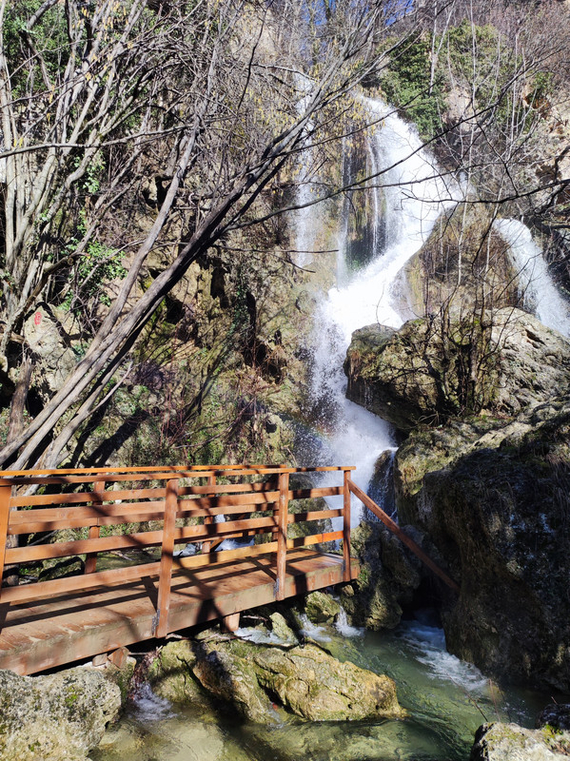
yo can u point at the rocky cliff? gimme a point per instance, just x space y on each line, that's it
489 489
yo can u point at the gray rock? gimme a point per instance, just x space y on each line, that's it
55 717
509 742
415 375
498 515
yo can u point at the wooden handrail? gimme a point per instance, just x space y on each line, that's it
395 529
163 497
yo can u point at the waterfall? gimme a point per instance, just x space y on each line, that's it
409 195
539 291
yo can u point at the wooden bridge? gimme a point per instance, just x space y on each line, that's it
127 535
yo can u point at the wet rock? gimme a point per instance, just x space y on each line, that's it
306 680
509 742
498 515
316 686
321 608
388 576
171 674
55 717
556 715
229 674
281 629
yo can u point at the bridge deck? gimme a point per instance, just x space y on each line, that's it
48 633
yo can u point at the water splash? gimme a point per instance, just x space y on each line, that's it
427 643
347 630
540 293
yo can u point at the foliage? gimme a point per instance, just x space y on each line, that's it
407 84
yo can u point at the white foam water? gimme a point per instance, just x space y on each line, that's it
540 294
411 194
149 707
343 627
427 643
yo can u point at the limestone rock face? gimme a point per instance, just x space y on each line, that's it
489 491
414 376
305 679
387 579
509 742
321 608
497 512
56 717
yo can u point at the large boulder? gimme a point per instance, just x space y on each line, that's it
57 717
496 509
433 369
304 679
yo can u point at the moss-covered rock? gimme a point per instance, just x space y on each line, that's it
57 717
171 674
304 679
442 366
313 684
321 608
498 514
509 742
387 579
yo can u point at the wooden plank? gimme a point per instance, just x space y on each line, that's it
5 494
198 561
84 546
315 515
18 478
98 495
229 500
84 516
94 532
282 535
346 527
304 541
43 589
177 469
322 491
167 557
395 529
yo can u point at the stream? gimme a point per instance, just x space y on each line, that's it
446 698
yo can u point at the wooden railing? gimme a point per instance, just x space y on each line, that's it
402 536
145 514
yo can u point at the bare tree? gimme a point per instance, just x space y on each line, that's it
207 89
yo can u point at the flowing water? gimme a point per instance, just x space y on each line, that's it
408 195
541 296
446 700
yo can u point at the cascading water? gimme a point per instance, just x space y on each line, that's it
540 293
409 195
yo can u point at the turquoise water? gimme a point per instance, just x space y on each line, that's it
446 698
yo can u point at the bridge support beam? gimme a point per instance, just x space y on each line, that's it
231 623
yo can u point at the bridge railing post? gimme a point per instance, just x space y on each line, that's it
166 559
282 515
5 494
209 519
346 527
94 531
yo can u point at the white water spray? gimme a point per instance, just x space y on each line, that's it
412 195
540 293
